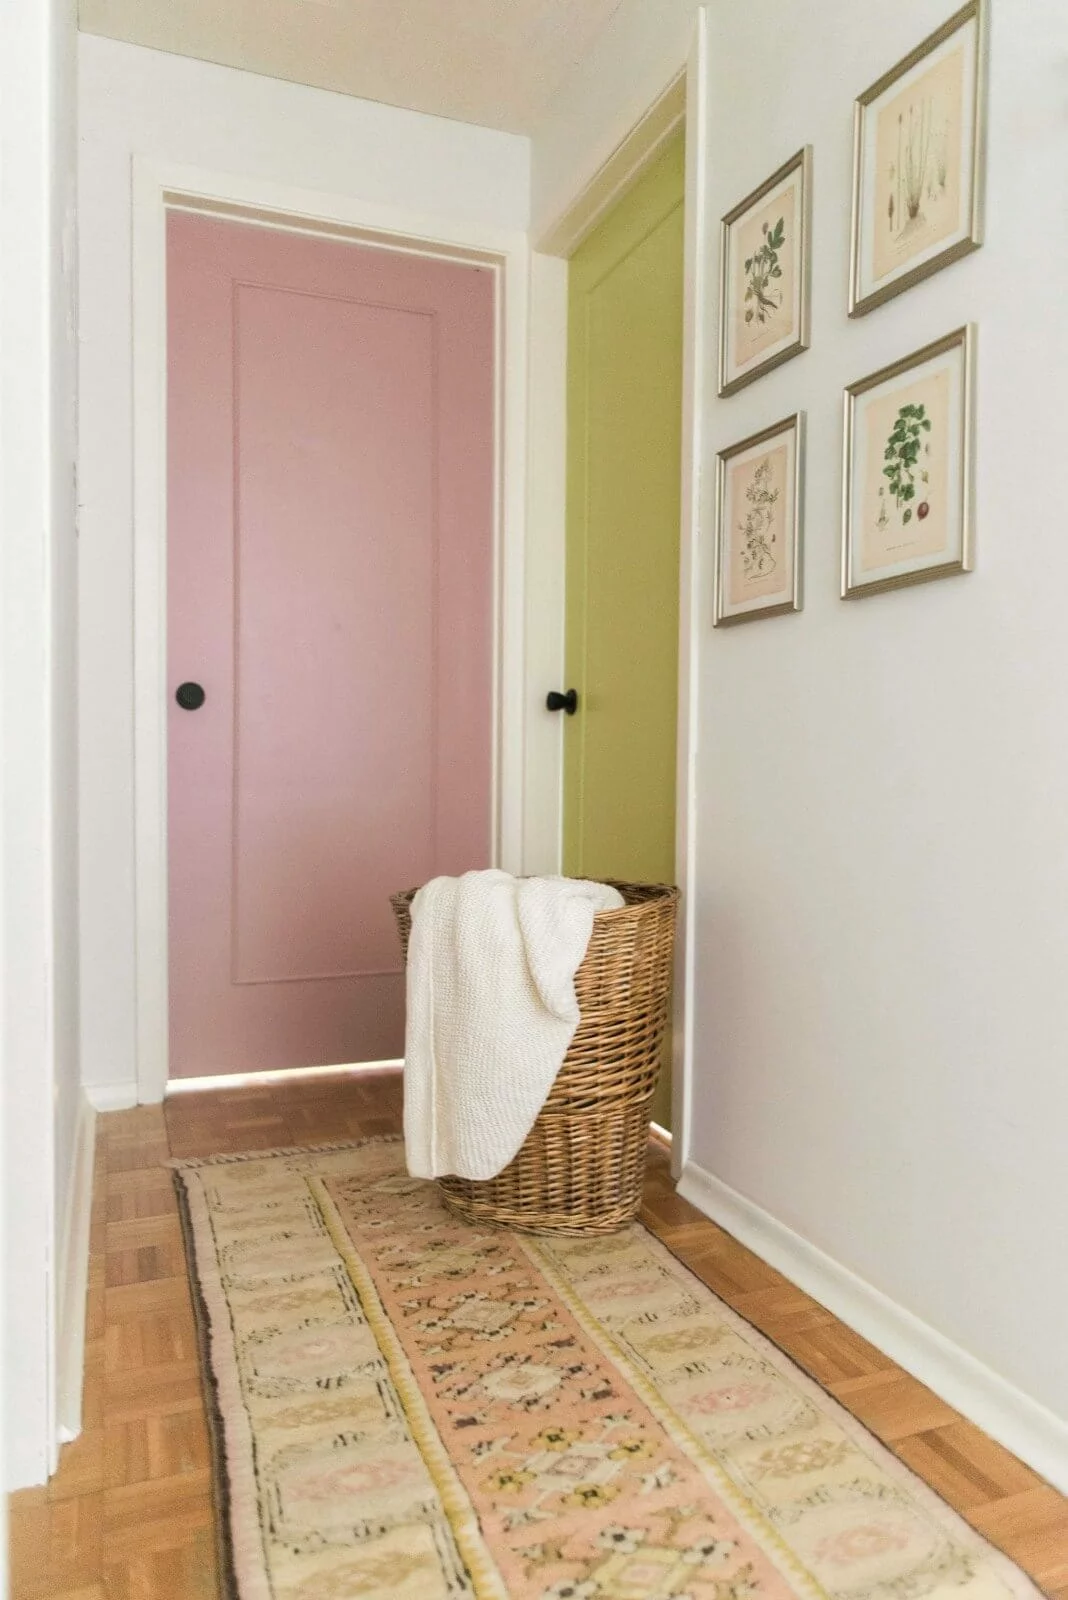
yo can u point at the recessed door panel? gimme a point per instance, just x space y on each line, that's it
624 476
330 568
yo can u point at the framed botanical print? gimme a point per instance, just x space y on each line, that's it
918 163
907 504
759 489
764 275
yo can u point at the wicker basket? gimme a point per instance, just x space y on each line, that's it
581 1167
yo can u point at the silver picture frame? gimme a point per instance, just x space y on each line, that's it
853 585
863 299
730 382
792 591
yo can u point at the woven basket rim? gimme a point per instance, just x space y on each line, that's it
654 893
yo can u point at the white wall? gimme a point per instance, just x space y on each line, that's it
881 939
882 934
544 565
41 1095
143 103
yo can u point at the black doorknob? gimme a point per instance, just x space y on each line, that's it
555 701
190 696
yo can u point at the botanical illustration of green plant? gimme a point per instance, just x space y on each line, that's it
761 269
902 462
756 528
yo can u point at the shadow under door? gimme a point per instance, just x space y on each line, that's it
330 615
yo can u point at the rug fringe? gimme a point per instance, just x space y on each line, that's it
190 1163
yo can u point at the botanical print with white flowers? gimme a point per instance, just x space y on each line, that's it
758 524
759 503
919 186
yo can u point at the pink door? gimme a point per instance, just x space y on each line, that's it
330 513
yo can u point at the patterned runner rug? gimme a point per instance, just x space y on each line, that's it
408 1408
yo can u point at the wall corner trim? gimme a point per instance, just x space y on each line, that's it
113 1096
626 163
1021 1424
73 1278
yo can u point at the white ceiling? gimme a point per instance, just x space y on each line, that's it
494 62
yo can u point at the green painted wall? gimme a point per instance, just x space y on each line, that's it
624 448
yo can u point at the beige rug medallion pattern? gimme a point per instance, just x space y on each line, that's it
409 1408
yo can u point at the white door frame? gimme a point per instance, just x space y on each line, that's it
682 100
158 188
694 610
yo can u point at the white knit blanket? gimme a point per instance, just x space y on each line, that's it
491 1012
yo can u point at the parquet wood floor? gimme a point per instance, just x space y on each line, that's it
128 1515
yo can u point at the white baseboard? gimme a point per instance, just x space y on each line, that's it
1021 1424
112 1096
73 1279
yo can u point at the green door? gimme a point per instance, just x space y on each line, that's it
623 469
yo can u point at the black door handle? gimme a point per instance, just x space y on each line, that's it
555 701
190 696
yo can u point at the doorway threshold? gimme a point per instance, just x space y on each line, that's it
238 1080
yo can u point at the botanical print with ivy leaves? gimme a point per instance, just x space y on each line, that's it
765 275
906 487
918 190
757 502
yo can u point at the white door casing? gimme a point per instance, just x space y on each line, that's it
157 188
